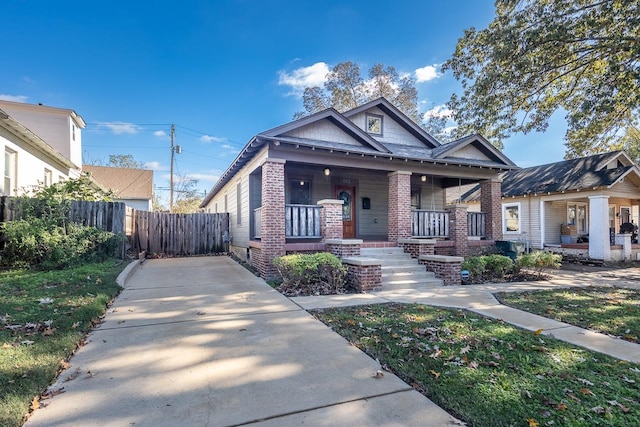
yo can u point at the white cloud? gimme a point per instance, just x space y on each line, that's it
439 111
156 166
427 73
14 98
208 139
300 78
119 128
160 134
212 177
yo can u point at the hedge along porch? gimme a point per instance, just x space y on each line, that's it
369 174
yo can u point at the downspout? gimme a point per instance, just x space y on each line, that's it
541 221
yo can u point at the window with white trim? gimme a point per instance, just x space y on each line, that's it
48 177
511 221
10 172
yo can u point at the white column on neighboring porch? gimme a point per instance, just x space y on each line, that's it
599 240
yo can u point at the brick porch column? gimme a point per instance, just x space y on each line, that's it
273 217
399 205
458 230
331 219
491 204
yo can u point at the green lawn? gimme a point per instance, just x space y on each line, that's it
43 319
489 373
612 311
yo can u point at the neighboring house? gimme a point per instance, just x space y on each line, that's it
385 174
134 187
573 206
29 159
60 128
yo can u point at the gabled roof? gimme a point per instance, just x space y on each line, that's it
448 151
126 183
334 117
584 173
16 128
359 141
392 111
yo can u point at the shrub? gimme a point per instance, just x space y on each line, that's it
35 243
476 266
539 261
498 266
42 236
311 274
487 267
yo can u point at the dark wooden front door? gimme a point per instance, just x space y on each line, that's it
347 195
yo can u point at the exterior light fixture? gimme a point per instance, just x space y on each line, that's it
327 171
423 178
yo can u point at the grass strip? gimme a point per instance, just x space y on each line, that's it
489 373
608 310
44 316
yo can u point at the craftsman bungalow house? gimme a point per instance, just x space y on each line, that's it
369 175
574 207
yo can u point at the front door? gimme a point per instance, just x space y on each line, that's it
347 195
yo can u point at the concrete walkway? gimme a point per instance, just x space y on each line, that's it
202 342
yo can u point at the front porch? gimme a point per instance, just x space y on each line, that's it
374 208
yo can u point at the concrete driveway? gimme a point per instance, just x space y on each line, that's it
203 342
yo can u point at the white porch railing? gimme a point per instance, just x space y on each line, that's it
302 221
476 224
430 223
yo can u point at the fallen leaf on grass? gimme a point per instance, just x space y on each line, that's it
598 409
586 391
7 345
75 325
435 374
585 382
630 381
538 332
465 350
532 422
48 332
561 407
46 300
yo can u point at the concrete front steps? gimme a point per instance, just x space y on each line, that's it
399 270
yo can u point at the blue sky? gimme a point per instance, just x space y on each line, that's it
222 71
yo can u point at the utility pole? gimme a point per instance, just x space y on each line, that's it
173 131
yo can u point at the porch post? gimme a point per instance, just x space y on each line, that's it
399 226
273 232
599 240
491 205
331 219
458 231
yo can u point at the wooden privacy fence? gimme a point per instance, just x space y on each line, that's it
106 216
180 234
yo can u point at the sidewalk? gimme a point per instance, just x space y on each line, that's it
203 342
480 299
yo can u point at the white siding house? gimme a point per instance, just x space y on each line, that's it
28 159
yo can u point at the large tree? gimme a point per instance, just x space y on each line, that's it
537 57
345 88
125 161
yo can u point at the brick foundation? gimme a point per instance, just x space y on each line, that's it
364 274
343 248
446 268
399 225
417 247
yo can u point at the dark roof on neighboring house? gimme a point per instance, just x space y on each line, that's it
585 173
126 183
